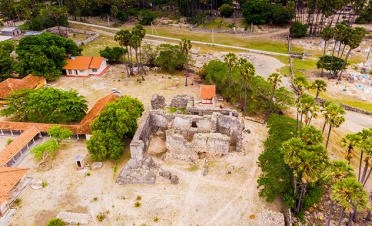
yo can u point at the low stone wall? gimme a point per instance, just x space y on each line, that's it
348 108
200 111
141 139
93 35
182 101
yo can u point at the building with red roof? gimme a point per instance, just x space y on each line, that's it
83 66
208 94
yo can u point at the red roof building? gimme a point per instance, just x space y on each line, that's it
83 66
208 94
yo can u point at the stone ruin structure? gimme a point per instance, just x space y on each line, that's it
199 134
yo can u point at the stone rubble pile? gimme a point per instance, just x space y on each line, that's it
74 218
271 218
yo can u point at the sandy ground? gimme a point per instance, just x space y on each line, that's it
216 199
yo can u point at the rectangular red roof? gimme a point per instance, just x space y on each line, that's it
207 91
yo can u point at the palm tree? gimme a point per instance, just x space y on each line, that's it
327 34
349 193
185 46
350 141
141 32
366 147
307 105
365 134
275 80
230 60
320 86
353 41
337 171
135 43
247 71
333 114
299 84
123 37
240 62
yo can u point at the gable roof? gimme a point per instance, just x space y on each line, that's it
10 84
13 148
9 177
207 91
83 63
84 125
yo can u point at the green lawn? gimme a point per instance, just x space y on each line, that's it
93 48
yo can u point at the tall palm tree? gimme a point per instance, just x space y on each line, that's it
300 83
308 107
327 34
275 80
350 141
230 60
338 170
123 37
349 193
333 114
240 62
135 43
365 134
185 46
141 32
247 71
320 86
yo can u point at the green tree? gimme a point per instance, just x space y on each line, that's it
275 80
146 17
185 46
141 32
115 123
230 60
45 150
123 37
300 84
56 222
135 43
170 57
114 54
333 114
350 141
327 34
329 63
58 133
349 193
44 55
255 11
320 86
46 105
247 71
307 107
298 30
226 10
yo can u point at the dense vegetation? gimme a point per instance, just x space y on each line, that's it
115 123
7 63
45 105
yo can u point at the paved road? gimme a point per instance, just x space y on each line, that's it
195 42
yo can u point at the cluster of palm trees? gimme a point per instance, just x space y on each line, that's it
319 13
343 36
132 40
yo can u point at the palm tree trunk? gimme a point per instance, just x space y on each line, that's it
369 174
140 53
241 103
302 195
228 92
333 53
350 221
330 212
324 51
245 99
360 165
329 133
368 217
343 65
365 169
325 123
341 216
271 105
295 186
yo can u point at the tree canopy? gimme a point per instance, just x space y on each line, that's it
115 123
45 105
44 55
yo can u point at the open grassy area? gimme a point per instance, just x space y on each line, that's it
93 48
300 66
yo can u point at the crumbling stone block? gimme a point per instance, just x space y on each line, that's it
174 179
157 102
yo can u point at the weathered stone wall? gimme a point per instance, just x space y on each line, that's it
141 139
182 101
211 144
200 111
349 108
232 127
157 102
90 35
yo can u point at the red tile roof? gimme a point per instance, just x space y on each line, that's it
9 177
42 127
207 91
13 148
10 84
83 63
94 112
3 198
96 62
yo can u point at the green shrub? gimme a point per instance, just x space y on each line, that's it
8 141
137 204
298 30
101 216
56 222
146 17
226 10
138 197
314 194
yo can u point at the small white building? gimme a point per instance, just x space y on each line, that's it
83 66
11 31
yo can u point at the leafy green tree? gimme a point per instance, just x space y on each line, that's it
58 133
44 55
307 107
146 17
226 10
45 150
135 43
56 222
46 105
115 123
114 54
149 53
230 60
298 30
329 63
277 14
254 11
170 57
364 135
300 84
141 32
